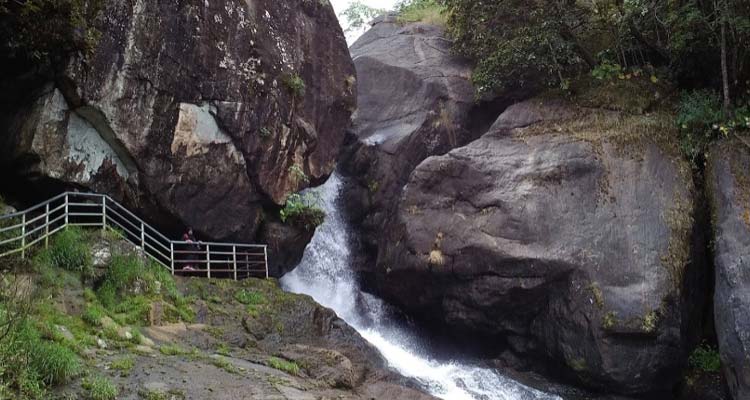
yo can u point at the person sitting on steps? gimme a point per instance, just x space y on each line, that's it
193 246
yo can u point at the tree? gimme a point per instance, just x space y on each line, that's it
358 14
521 43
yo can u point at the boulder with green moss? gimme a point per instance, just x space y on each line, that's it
564 238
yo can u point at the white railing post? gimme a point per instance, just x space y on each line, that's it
234 260
23 236
104 212
208 259
143 237
66 209
46 227
171 256
265 259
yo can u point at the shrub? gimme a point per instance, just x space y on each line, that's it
303 211
705 358
100 388
699 115
289 367
295 84
70 250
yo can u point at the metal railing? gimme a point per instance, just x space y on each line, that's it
21 230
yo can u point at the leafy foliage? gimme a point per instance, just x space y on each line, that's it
701 120
295 84
705 358
428 11
358 14
46 30
303 211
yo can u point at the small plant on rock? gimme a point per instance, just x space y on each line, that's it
303 211
289 367
295 84
705 358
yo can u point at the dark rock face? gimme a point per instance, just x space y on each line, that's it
415 100
564 237
192 110
729 185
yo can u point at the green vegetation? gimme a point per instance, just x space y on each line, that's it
245 296
303 211
128 275
701 120
68 250
290 367
609 320
173 350
47 30
427 11
358 14
42 346
705 358
295 84
123 364
100 388
299 174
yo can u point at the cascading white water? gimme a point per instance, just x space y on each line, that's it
325 274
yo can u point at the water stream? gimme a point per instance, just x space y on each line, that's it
325 274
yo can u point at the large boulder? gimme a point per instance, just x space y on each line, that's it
563 237
197 113
415 99
729 188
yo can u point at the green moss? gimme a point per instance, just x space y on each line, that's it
578 364
609 320
596 292
650 320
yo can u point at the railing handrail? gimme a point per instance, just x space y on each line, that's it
140 233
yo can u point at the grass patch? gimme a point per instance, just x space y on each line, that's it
289 367
246 297
123 364
100 388
69 250
173 350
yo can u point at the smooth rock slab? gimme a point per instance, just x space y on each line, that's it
729 186
567 243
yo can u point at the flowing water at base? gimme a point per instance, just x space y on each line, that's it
325 274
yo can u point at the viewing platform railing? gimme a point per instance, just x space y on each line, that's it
21 230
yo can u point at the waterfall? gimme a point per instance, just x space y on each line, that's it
325 274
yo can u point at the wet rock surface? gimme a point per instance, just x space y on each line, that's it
729 187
